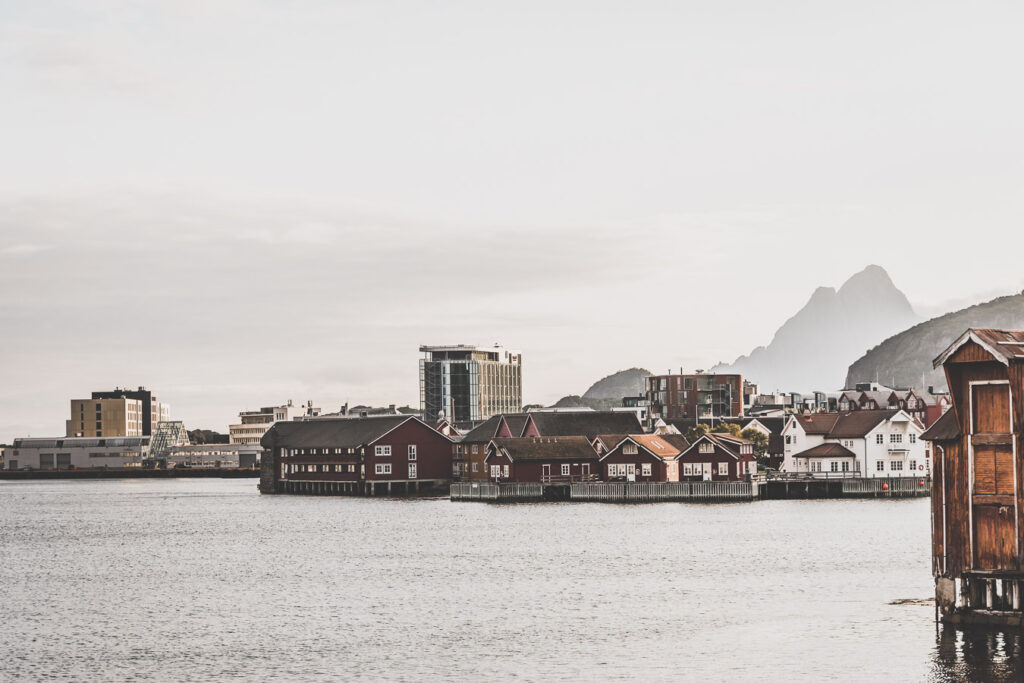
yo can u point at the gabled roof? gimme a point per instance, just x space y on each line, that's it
656 445
720 446
588 424
946 428
677 440
487 430
1003 345
346 432
609 441
852 425
826 450
544 448
516 422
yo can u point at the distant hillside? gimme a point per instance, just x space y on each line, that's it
812 350
205 436
583 402
905 360
623 383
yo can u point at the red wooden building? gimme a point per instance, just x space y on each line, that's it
639 457
977 510
556 459
718 457
354 455
468 453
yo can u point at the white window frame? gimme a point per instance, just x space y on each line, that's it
629 449
723 469
412 451
565 469
412 470
645 469
382 451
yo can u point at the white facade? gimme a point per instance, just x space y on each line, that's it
76 453
253 424
892 448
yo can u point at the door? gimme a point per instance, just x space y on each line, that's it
993 480
585 471
545 473
707 471
630 472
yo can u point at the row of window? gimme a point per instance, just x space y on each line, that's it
385 451
379 468
895 465
628 469
380 451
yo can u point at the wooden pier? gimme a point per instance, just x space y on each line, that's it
846 487
636 492
386 489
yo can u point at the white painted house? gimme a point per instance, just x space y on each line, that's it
866 443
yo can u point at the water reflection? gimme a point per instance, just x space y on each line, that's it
978 654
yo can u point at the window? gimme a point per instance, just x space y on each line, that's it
913 438
896 465
412 451
789 439
706 447
879 438
351 468
846 466
382 451
565 470
383 468
629 449
475 463
880 465
687 469
645 469
495 471
505 471
723 469
476 449
412 470
834 466
895 438
913 465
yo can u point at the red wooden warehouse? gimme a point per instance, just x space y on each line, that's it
355 456
718 457
549 460
640 457
977 512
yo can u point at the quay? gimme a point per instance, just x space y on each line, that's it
696 492
386 489
131 473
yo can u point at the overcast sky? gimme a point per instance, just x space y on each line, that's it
237 203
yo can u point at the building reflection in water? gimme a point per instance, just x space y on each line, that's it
978 654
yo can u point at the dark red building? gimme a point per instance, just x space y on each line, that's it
718 457
557 459
355 455
588 423
468 452
639 457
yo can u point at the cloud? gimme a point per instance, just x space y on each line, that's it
23 249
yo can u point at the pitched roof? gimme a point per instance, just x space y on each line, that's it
546 448
656 445
610 441
854 424
516 422
826 450
347 432
588 424
1004 345
677 440
484 431
946 428
719 446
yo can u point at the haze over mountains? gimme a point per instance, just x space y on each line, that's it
813 349
905 360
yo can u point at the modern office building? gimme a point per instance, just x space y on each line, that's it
698 396
121 412
253 424
464 383
103 417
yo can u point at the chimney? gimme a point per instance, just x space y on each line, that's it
391 407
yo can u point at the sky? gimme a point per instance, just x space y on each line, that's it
237 203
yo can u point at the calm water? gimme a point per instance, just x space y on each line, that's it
207 580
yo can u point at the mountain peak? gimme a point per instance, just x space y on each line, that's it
872 276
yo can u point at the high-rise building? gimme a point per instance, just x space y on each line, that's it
102 417
253 424
695 396
465 383
152 410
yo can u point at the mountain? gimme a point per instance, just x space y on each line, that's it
623 383
607 392
812 350
905 360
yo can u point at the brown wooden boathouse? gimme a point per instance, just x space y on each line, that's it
978 480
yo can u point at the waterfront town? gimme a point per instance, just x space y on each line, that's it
471 426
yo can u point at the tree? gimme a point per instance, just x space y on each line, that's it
760 441
727 428
695 432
